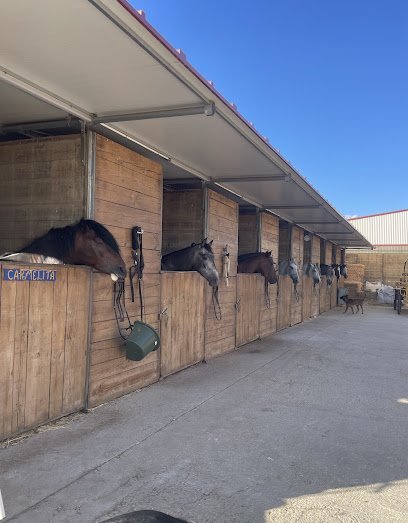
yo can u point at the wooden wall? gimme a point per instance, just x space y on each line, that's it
315 309
183 219
183 323
44 342
42 186
297 254
247 232
269 242
325 291
249 299
222 227
128 192
379 267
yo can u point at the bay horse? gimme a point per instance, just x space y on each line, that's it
311 269
261 263
328 271
198 257
84 243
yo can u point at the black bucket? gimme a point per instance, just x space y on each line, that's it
142 340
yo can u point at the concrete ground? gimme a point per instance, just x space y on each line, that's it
309 425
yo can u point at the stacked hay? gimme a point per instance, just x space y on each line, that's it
355 282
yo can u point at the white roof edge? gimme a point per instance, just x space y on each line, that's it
164 52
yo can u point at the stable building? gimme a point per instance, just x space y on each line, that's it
136 137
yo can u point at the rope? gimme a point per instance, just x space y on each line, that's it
216 304
119 307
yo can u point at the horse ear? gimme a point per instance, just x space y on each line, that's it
211 242
268 254
193 244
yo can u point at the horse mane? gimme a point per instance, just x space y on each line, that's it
58 242
102 232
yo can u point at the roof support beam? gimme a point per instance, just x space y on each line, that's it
319 223
163 112
334 232
248 178
274 206
40 126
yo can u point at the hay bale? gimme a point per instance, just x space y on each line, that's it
356 272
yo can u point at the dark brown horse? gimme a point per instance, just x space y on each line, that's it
261 263
198 257
258 262
84 243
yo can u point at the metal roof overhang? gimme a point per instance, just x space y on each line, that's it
101 62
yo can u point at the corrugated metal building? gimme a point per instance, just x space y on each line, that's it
387 232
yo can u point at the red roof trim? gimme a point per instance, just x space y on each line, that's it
379 214
182 58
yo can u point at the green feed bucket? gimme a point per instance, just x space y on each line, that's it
142 340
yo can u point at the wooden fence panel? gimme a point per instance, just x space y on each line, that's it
269 242
307 297
182 325
128 192
222 228
44 341
248 307
284 302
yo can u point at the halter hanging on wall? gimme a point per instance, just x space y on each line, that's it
142 338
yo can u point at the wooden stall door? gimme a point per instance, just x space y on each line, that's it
308 291
222 228
182 323
296 310
284 301
248 308
44 341
324 295
269 242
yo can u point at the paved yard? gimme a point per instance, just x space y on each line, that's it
309 425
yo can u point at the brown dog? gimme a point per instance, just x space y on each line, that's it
350 302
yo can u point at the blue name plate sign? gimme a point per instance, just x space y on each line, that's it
29 275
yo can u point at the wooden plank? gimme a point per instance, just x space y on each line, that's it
297 299
247 327
42 185
20 354
284 302
220 334
7 330
76 339
117 385
59 320
247 235
182 328
39 353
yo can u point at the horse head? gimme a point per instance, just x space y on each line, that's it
267 267
95 246
311 269
203 261
290 268
343 270
336 269
328 271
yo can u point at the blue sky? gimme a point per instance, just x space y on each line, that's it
325 81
